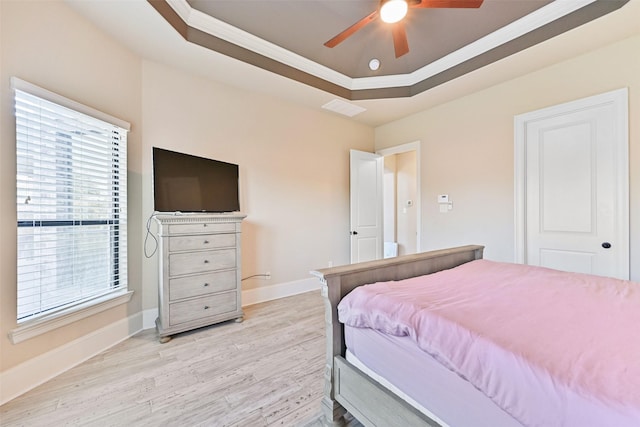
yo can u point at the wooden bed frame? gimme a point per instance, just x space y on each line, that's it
348 388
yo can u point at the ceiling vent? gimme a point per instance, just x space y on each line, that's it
342 107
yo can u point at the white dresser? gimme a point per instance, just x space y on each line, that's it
199 277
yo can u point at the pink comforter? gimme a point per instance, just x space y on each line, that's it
550 348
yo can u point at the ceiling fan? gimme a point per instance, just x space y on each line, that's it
392 12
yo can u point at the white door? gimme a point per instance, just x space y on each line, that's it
366 206
576 186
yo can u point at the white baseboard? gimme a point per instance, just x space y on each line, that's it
40 369
280 290
149 318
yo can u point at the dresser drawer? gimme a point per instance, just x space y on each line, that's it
203 227
201 284
199 262
187 311
201 241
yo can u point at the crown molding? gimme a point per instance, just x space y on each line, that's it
518 28
542 24
220 29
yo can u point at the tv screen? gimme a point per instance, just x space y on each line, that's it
186 183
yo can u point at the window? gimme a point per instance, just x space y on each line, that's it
71 202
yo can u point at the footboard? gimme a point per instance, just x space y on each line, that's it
339 281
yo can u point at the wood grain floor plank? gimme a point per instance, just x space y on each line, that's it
265 371
304 415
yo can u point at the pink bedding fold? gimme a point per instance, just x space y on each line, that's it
551 348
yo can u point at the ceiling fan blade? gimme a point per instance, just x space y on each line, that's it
352 29
400 43
452 4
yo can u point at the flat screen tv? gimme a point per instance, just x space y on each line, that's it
186 183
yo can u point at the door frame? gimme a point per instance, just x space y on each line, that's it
404 148
619 100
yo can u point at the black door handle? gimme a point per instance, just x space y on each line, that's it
606 245
353 233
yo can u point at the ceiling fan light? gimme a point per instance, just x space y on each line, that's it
393 11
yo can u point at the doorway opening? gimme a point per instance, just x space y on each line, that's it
401 199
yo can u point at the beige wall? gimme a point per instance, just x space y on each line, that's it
48 44
389 195
293 161
406 190
400 220
467 148
294 169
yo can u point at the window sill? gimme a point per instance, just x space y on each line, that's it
33 328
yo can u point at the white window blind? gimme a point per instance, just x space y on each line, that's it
71 203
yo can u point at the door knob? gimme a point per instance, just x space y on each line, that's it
353 233
606 245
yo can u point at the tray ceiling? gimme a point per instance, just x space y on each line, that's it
287 37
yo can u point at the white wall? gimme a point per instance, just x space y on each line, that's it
467 148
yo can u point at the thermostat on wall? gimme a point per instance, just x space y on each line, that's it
443 198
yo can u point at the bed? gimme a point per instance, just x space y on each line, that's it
387 366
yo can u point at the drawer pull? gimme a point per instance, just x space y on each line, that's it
206 307
206 261
204 225
206 242
206 284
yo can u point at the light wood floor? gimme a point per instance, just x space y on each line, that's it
266 371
